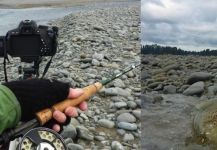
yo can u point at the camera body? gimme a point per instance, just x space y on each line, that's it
29 41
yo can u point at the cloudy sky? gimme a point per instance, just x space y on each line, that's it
187 24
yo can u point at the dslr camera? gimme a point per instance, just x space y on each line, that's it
29 42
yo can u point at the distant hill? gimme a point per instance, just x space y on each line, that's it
159 50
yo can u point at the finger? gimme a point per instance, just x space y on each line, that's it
73 93
59 116
83 106
71 111
56 127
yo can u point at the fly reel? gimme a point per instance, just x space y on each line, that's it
42 139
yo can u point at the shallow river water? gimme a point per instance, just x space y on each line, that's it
10 18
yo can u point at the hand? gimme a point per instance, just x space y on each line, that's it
69 111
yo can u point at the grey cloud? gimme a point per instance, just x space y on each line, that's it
194 28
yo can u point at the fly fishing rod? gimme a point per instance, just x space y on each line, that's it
45 115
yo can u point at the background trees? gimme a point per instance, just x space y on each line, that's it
157 49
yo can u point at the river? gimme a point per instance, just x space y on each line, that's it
10 18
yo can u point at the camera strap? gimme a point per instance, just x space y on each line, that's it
47 67
5 69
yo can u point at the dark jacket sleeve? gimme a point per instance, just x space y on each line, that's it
37 94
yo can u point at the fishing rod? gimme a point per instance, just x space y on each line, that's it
45 115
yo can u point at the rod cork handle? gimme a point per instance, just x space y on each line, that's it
45 115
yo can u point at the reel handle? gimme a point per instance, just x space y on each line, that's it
45 115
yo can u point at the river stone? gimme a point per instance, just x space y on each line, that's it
72 146
120 105
121 132
117 91
66 64
131 104
117 146
68 140
137 113
199 76
84 66
128 137
154 85
126 117
99 138
84 116
74 122
145 75
195 89
98 57
127 126
84 133
86 60
91 76
95 62
172 67
183 88
119 83
144 61
98 28
106 123
69 132
169 89
212 90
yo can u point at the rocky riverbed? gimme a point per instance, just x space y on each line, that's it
92 46
173 89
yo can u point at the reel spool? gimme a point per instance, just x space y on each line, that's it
42 139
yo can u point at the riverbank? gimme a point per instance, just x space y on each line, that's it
175 90
94 45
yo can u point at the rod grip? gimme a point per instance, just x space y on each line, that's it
45 115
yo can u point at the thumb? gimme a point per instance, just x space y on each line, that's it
74 93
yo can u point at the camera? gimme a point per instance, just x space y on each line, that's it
29 41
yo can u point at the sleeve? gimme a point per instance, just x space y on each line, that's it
36 94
